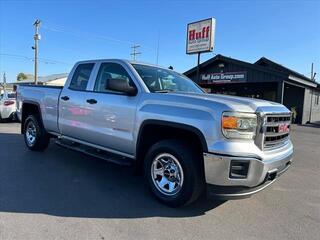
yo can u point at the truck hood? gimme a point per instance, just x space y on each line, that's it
236 103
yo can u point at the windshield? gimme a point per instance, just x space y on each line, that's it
11 95
162 80
7 95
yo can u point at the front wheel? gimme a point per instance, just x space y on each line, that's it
174 172
35 136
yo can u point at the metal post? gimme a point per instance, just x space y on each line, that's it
282 92
4 82
310 114
198 69
36 39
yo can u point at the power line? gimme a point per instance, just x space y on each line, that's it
43 60
82 34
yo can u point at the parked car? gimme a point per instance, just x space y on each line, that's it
186 141
7 106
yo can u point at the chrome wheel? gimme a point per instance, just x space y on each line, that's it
31 133
167 174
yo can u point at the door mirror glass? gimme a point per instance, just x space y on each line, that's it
120 85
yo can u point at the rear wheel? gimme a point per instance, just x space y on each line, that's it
174 173
35 136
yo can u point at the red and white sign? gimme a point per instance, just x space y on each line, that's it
283 128
200 36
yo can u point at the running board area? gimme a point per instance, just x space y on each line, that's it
94 152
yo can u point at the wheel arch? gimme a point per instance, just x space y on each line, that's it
30 108
152 131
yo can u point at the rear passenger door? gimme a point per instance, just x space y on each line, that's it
74 112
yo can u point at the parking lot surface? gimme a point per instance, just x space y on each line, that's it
61 194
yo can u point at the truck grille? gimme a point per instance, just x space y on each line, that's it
277 128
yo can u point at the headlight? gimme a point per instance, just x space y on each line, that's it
239 125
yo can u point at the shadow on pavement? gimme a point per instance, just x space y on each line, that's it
64 183
312 125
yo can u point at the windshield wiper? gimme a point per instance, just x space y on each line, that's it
164 91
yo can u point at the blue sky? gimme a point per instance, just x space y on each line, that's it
287 32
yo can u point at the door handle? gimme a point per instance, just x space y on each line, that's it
91 101
65 98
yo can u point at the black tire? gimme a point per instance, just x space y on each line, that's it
190 161
41 137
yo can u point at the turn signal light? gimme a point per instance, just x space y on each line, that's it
229 122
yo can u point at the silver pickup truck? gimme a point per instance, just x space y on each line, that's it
185 141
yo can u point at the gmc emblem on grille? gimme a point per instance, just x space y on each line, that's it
283 128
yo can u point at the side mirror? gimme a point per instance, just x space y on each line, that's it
121 85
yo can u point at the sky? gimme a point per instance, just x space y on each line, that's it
287 32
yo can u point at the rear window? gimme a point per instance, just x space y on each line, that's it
81 77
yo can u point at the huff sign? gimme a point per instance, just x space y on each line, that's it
200 36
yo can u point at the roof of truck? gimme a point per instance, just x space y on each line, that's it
122 60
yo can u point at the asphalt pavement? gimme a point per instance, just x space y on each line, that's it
61 194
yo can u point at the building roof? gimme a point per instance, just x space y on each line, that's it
45 79
276 66
263 64
53 77
233 61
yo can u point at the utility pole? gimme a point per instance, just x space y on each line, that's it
4 82
36 38
313 74
134 53
158 45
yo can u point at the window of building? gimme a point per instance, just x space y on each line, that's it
317 98
110 71
81 77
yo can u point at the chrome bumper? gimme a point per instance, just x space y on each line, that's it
260 173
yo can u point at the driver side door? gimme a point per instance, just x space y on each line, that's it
112 113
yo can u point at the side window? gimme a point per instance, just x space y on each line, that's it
110 71
81 76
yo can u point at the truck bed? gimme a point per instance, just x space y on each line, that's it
47 99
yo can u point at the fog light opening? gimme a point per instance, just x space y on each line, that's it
271 176
239 169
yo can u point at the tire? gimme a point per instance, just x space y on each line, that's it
187 185
35 136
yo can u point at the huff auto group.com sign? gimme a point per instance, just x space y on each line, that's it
200 36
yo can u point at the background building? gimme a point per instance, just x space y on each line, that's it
263 79
52 80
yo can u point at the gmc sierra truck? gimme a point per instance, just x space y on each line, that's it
185 141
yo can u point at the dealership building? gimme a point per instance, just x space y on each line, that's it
263 79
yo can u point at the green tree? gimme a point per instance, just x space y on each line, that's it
21 76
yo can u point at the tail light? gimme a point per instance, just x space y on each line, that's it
8 102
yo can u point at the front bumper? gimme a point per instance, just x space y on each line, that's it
260 173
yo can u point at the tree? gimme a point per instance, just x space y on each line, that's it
21 76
